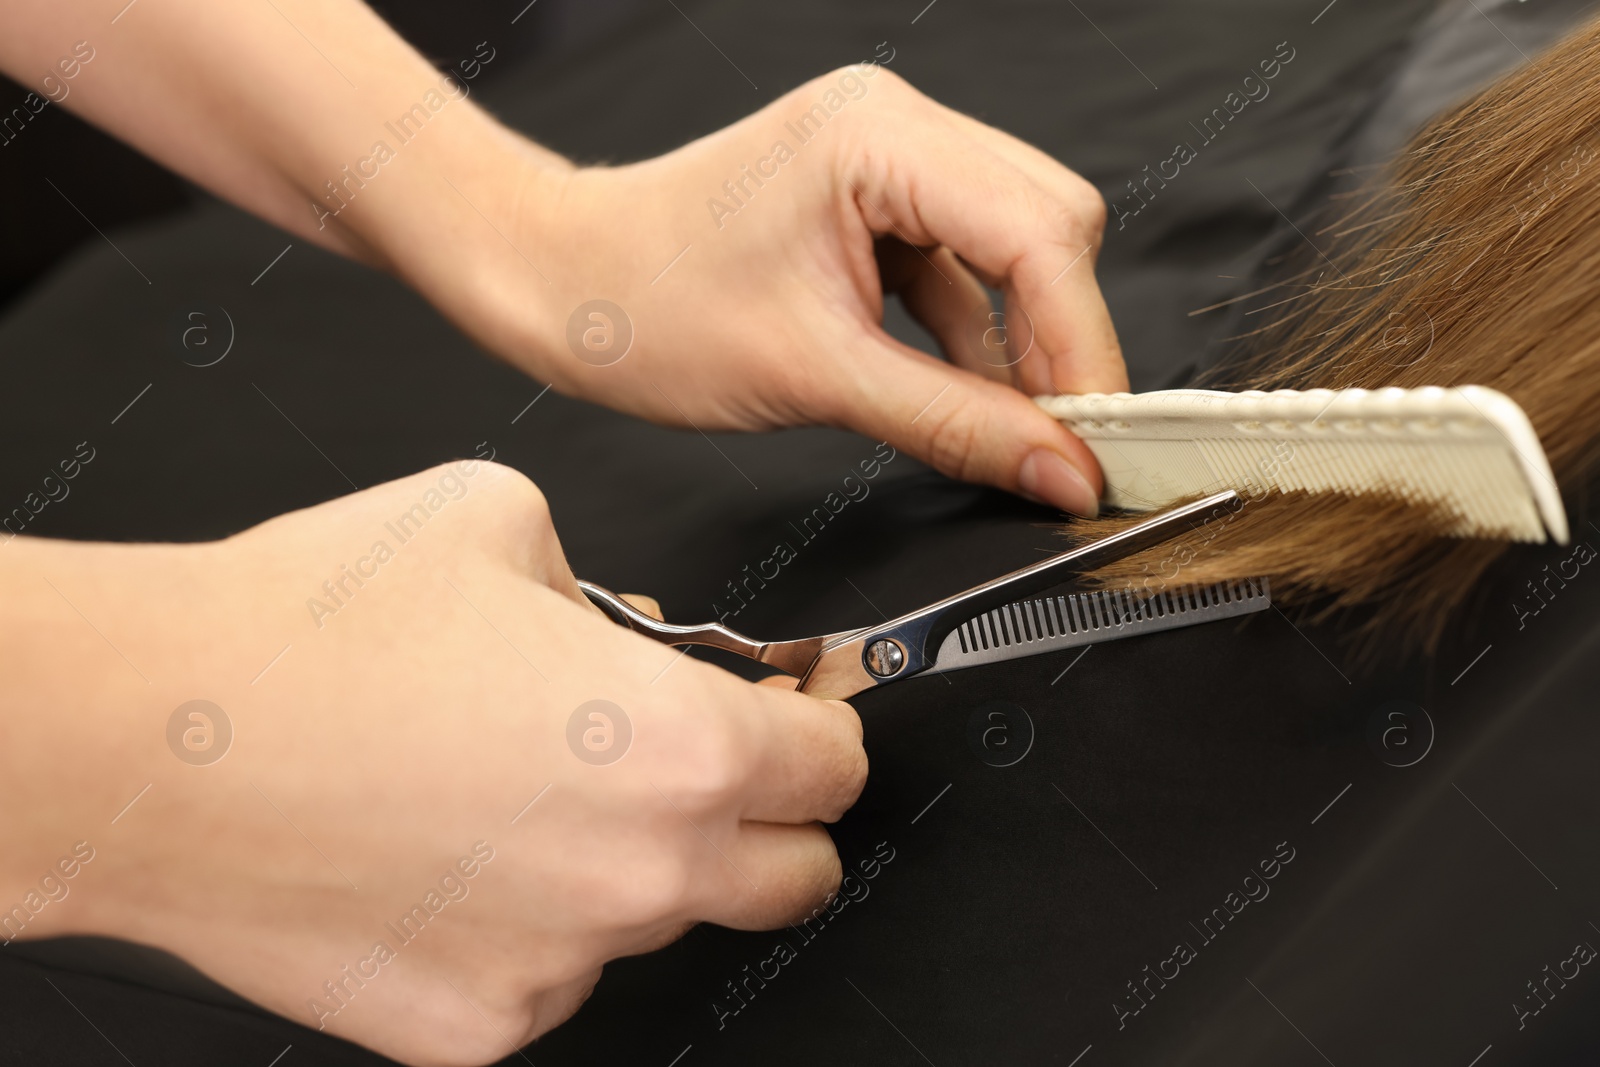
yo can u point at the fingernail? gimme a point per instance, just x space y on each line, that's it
1047 476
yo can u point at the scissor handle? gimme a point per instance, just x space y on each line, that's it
712 634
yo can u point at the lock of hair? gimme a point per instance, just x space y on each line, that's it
1468 455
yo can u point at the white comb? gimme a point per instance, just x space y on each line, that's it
1468 451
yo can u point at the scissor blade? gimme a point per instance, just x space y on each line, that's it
945 615
1046 624
907 646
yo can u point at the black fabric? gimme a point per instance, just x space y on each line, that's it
1009 905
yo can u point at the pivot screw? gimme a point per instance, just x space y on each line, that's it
885 657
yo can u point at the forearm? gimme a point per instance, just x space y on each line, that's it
280 107
75 727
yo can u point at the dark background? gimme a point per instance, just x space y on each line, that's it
1162 769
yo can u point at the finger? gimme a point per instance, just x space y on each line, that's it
661 935
517 522
1035 370
930 182
780 681
960 424
1045 170
1070 317
767 876
942 294
646 604
554 1006
1051 374
809 763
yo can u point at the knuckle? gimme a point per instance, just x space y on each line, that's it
852 779
516 487
812 880
889 79
465 1038
519 507
830 876
714 764
870 88
706 758
1089 210
654 884
657 887
1078 216
825 877
950 442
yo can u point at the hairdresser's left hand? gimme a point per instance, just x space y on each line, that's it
748 268
758 303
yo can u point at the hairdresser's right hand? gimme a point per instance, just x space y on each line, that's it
409 733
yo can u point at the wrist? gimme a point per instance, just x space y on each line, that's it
464 212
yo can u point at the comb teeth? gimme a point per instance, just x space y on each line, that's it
1469 452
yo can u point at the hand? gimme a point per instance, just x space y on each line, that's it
772 315
395 747
791 225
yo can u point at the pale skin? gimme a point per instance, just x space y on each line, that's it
425 714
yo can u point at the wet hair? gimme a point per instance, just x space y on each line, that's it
1474 258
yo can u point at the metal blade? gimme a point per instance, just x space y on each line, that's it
1029 627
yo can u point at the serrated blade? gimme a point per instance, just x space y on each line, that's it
1045 624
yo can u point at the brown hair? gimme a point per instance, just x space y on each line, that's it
1473 259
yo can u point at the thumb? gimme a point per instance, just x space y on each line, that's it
964 425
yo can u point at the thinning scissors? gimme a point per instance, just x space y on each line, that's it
986 623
